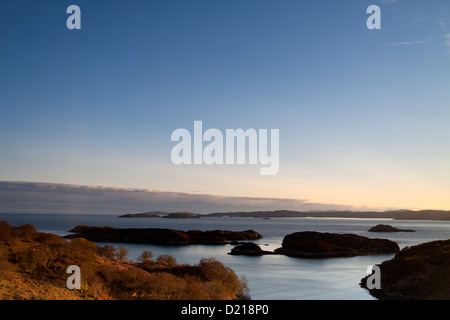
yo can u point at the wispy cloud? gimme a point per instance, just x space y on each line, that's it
388 1
406 43
442 22
34 197
447 41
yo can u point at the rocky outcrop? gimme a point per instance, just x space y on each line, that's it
387 228
421 272
160 236
181 215
141 215
249 249
311 244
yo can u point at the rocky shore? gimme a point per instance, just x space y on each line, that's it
420 272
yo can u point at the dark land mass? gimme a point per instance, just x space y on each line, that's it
33 266
388 228
154 214
392 214
420 272
249 249
311 244
161 236
181 215
160 214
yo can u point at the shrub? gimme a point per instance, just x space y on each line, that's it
17 247
122 253
7 269
166 260
244 292
223 278
107 251
50 239
146 256
5 230
213 269
122 282
4 252
27 232
37 257
28 259
80 250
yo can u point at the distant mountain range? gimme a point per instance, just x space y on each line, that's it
391 214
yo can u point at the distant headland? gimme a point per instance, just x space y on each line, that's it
161 214
390 214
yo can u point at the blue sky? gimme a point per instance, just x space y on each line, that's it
363 114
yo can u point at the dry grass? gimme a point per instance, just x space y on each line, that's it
33 266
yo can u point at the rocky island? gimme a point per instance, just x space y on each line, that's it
181 215
311 244
155 214
387 228
160 214
249 249
420 272
160 236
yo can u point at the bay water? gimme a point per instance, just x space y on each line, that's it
270 277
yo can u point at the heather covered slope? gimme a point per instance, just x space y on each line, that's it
33 266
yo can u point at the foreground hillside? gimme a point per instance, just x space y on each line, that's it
420 272
33 266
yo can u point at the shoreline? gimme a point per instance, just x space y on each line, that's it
423 215
291 274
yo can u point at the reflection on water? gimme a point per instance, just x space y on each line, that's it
270 276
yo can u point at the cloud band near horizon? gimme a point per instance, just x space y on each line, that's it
39 197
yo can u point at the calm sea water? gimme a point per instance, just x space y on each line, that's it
270 276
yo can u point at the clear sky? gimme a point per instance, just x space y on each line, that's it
364 115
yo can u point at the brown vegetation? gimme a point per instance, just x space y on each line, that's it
33 266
